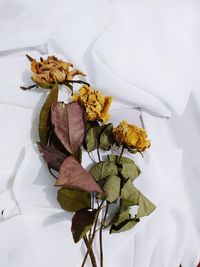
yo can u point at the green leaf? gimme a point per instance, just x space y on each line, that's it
114 158
129 194
129 171
106 137
122 220
73 175
103 169
78 155
92 138
124 226
146 207
112 188
90 124
121 215
82 222
127 167
73 200
44 119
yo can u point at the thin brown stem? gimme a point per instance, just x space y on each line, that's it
76 81
52 173
93 235
106 212
92 204
101 246
90 252
29 87
98 153
101 235
122 151
91 157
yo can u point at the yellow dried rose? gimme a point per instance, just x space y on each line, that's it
131 136
96 105
47 72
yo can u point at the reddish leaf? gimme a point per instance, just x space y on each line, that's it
55 142
69 125
73 175
53 157
82 222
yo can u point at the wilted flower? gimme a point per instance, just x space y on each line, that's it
96 105
47 72
131 136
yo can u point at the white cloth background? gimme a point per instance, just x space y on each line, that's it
145 55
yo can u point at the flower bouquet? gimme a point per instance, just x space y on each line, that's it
66 130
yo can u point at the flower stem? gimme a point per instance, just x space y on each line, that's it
91 157
101 235
90 242
101 246
76 81
90 252
29 87
98 153
122 151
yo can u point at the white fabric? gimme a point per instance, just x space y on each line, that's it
145 55
151 51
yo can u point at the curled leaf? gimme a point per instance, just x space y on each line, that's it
106 137
92 138
123 220
73 175
44 119
73 200
124 226
82 222
122 214
99 136
69 124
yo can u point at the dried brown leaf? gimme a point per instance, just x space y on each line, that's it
53 157
44 119
73 175
69 124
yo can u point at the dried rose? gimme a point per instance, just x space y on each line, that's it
96 105
52 70
131 136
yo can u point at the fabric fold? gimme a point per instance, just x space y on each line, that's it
154 55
